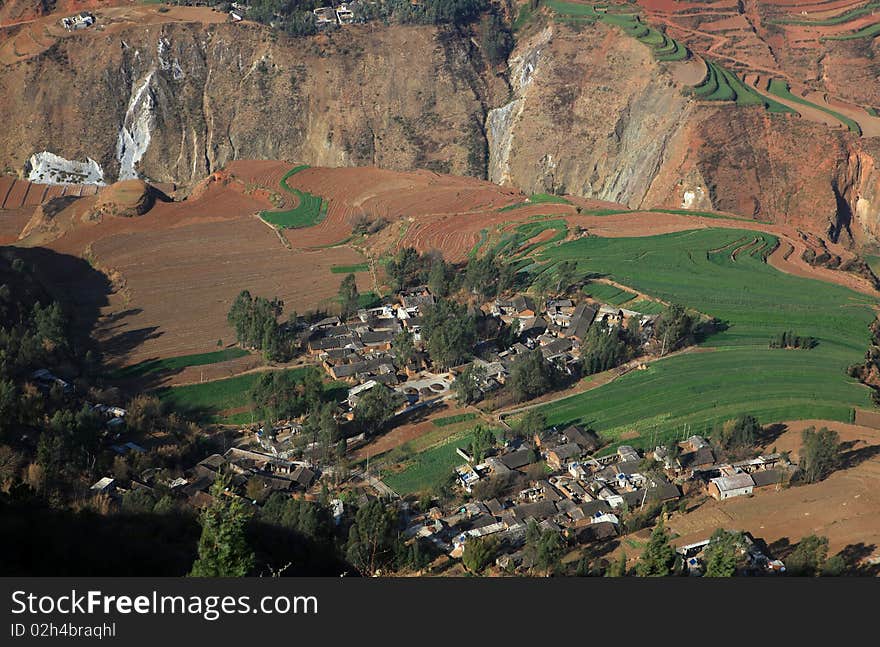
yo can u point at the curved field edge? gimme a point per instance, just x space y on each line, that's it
738 373
309 210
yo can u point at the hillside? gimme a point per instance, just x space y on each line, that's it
583 108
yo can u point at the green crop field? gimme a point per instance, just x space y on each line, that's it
780 89
740 374
451 420
309 211
608 293
537 198
836 20
206 401
431 467
169 364
350 269
870 31
646 307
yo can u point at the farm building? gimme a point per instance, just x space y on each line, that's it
727 487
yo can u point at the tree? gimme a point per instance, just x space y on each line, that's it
372 538
673 328
449 332
374 409
223 547
544 547
404 348
530 376
479 553
348 296
483 440
659 556
741 432
819 454
618 567
604 348
808 557
405 269
467 384
722 553
533 423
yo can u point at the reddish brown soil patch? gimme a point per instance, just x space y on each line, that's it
845 507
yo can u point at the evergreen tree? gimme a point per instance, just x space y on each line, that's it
223 546
659 556
467 384
348 296
721 555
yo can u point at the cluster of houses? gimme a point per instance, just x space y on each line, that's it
586 497
81 20
243 467
341 14
359 350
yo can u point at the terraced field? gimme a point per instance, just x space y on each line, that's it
308 212
723 273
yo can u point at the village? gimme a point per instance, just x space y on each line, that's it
557 480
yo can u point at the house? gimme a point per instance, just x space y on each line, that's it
768 478
324 16
519 307
580 322
104 486
586 439
517 459
563 454
344 14
727 487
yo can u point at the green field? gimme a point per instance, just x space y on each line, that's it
836 20
169 364
646 307
350 269
537 198
309 211
720 84
869 31
451 420
431 467
780 89
741 375
206 401
608 293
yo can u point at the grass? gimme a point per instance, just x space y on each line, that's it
350 269
646 307
309 211
169 364
206 401
720 84
780 89
740 374
608 293
431 467
451 420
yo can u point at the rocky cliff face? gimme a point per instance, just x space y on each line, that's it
175 102
596 116
585 111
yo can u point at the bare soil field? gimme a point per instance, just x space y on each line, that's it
175 270
844 507
28 37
